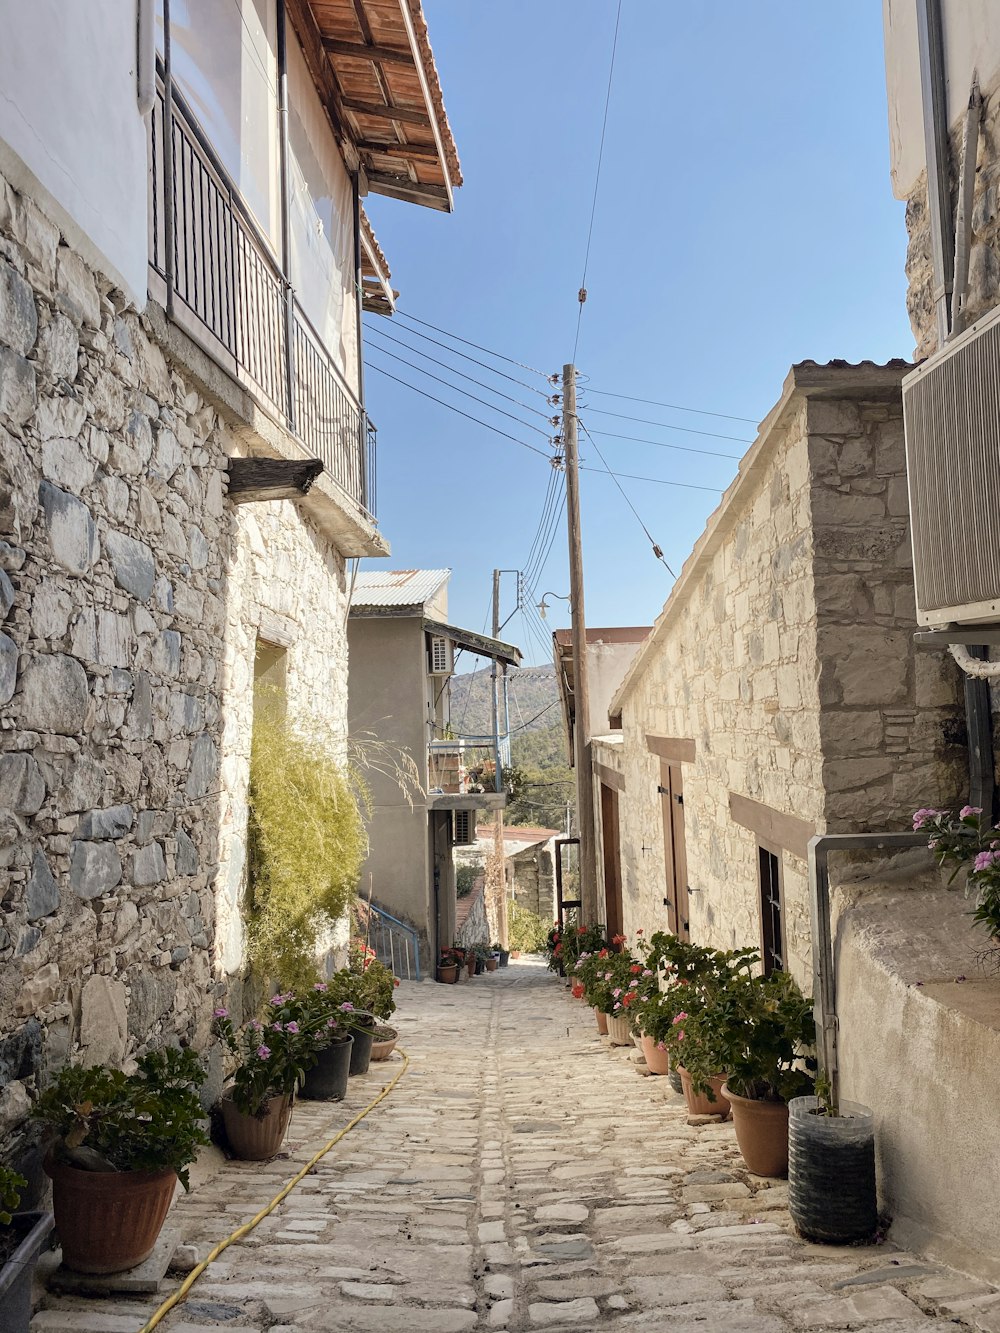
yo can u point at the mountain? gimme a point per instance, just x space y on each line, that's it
533 695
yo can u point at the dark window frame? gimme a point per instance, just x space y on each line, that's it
771 904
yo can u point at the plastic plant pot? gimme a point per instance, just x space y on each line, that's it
327 1080
16 1274
364 1037
831 1171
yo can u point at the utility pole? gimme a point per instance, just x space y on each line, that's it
498 843
589 906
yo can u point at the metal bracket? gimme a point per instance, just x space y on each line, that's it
966 635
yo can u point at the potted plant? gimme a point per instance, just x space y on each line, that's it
384 1040
831 1168
492 957
273 1055
767 1064
22 1238
447 968
610 986
702 1034
470 961
120 1144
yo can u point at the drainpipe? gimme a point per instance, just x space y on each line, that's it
934 99
824 968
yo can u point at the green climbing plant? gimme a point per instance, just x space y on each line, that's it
307 844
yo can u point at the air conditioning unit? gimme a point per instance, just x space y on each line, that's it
442 655
464 828
951 409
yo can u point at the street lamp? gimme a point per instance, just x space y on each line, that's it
541 605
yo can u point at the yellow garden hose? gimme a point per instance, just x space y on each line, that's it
192 1277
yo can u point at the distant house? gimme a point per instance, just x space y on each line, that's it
402 654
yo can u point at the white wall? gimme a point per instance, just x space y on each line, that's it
70 131
971 42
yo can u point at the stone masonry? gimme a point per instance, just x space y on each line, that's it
785 653
521 1176
132 596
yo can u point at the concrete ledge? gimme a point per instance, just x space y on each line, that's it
922 1048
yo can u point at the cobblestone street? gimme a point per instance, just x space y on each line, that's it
521 1175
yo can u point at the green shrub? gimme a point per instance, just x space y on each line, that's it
306 847
526 931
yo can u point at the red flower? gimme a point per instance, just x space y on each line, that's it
635 968
628 997
639 931
618 939
577 991
603 953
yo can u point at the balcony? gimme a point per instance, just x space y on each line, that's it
462 774
221 283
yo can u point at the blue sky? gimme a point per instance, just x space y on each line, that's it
745 221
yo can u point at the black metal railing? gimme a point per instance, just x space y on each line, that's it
216 263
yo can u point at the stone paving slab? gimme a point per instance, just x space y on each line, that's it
522 1176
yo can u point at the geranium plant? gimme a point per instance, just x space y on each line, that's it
273 1052
704 1032
968 840
106 1120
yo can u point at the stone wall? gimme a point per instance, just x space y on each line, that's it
984 255
785 654
131 597
532 879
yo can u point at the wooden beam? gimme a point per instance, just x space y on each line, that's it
307 30
389 55
256 479
609 777
397 149
403 188
675 749
406 117
772 826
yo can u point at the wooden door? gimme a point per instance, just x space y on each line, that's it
612 861
674 850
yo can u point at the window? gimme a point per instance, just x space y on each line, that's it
771 911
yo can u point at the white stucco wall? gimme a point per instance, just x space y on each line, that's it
70 131
971 43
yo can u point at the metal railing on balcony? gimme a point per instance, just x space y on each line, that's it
464 765
227 289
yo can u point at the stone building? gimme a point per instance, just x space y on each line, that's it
182 272
779 694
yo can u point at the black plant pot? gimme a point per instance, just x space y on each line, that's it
364 1035
33 1229
831 1172
504 957
327 1080
480 967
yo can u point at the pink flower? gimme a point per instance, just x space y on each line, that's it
925 816
276 1027
660 1046
320 985
968 810
221 1013
257 1025
616 992
277 999
632 985
292 1027
331 1022
985 860
680 1018
263 1051
607 976
347 1007
647 973
680 1036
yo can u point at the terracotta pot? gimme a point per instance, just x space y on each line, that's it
762 1133
108 1220
619 1030
256 1138
602 1021
698 1102
657 1061
383 1046
515 953
448 973
470 965
492 964
327 1080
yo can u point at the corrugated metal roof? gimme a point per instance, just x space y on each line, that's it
398 587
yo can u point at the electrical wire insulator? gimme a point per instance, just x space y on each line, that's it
657 551
581 295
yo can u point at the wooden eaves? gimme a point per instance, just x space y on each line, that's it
373 67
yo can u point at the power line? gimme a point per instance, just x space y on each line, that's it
663 444
524 725
544 519
656 549
533 568
659 481
461 373
539 569
674 407
456 389
489 352
597 180
440 401
687 430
